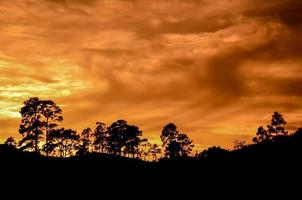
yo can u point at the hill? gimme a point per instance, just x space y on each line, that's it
280 157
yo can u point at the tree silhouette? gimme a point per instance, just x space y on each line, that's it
123 138
176 144
155 150
31 126
64 140
144 149
185 144
169 133
262 135
276 128
52 114
173 150
11 142
100 137
116 134
37 116
85 142
239 144
132 140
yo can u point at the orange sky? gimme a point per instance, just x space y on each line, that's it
218 69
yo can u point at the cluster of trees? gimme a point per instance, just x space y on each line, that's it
40 134
176 144
276 129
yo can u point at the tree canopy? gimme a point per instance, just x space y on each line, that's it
38 118
176 144
274 129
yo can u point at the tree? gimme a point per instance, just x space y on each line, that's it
239 144
276 128
185 144
52 114
169 133
100 137
261 135
11 142
176 144
37 116
144 149
31 126
123 138
155 150
116 136
173 150
132 140
64 140
85 142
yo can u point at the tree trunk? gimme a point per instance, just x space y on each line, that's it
37 136
36 141
47 153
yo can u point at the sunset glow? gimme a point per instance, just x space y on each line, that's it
217 69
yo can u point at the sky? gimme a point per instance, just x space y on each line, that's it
217 69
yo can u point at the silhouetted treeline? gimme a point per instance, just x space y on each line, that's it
41 134
115 155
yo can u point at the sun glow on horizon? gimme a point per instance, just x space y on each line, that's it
55 79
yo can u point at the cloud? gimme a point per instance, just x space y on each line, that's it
216 68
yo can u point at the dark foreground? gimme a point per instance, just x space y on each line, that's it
274 164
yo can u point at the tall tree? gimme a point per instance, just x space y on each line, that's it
100 137
276 128
169 133
52 114
123 138
175 144
173 150
63 140
85 142
132 140
38 116
144 149
116 136
185 144
31 126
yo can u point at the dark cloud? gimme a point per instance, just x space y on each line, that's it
286 11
